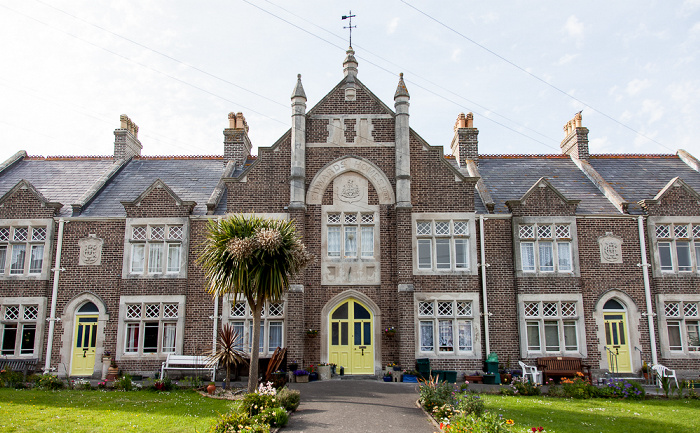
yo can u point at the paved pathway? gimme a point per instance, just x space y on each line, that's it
358 406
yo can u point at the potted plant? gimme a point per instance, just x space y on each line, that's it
313 375
388 377
211 388
324 371
312 332
293 366
301 376
112 371
410 376
390 331
474 378
645 370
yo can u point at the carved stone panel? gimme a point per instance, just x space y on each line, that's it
90 251
610 248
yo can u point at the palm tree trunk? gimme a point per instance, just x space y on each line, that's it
254 346
228 376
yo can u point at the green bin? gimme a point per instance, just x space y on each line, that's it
492 367
450 376
438 374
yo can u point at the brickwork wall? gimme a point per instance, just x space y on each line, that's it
157 203
266 188
543 202
676 201
335 103
24 204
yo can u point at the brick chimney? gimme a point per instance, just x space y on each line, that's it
236 142
126 142
465 144
575 143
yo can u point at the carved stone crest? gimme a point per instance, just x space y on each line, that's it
90 250
350 192
610 248
350 188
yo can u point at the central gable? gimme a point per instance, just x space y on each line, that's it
371 172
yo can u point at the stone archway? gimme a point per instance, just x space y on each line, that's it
376 316
68 319
375 175
632 318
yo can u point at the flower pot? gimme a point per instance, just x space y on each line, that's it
324 372
313 376
409 378
387 378
396 368
302 379
474 379
211 389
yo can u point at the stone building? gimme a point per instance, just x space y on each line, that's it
523 255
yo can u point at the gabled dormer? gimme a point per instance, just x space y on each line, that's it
676 198
158 200
543 199
25 201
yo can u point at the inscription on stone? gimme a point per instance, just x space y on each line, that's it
90 251
610 248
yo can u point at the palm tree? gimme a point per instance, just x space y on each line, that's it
252 258
227 351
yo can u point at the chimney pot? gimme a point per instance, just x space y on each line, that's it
575 143
465 144
126 142
237 144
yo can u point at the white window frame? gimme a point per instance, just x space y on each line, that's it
692 238
39 234
683 319
538 241
267 320
454 319
444 237
142 319
21 303
150 242
541 319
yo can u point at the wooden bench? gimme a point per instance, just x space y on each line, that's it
188 363
554 367
25 365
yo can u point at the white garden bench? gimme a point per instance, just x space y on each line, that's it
188 363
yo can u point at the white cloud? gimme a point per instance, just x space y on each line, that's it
635 86
393 24
574 28
566 58
455 54
690 6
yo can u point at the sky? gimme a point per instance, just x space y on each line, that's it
69 68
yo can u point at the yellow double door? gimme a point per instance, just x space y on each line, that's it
617 341
84 342
351 339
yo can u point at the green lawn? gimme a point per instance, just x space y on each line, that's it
107 411
597 415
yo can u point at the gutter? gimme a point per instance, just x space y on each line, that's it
647 291
484 265
57 269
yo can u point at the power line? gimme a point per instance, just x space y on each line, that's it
534 76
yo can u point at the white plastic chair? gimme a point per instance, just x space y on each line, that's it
662 371
532 371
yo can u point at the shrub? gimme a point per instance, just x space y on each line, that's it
486 423
522 386
578 387
50 381
82 384
289 398
470 403
254 403
238 421
620 388
124 383
435 394
11 379
273 416
163 385
556 391
443 413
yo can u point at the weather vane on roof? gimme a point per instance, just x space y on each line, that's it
350 16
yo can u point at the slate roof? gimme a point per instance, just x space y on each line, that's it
639 177
508 177
63 180
191 178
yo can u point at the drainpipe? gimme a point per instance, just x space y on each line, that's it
57 269
647 290
484 265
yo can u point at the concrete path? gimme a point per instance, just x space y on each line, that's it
359 406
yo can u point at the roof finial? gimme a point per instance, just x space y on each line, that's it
350 16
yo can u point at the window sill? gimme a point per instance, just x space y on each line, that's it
448 355
530 274
166 276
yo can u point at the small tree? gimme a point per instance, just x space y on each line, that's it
227 351
252 258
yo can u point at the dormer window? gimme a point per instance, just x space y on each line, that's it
545 246
676 245
156 248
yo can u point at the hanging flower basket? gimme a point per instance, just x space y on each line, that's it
390 331
311 332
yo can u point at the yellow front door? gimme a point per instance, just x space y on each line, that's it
84 341
617 341
351 338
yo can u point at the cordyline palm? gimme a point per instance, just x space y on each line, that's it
227 352
252 258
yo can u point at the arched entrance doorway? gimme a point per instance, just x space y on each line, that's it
351 337
617 341
84 340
